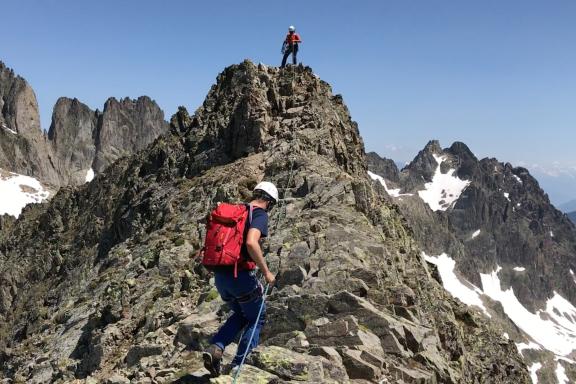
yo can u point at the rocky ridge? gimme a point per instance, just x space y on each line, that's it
100 284
502 223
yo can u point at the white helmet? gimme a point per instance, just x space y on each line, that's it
291 28
269 188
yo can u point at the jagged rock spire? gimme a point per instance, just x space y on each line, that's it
252 108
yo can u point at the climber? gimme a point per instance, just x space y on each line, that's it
239 287
290 45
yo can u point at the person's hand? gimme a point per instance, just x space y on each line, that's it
270 278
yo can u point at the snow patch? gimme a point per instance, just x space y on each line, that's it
561 374
506 336
16 191
519 269
89 175
554 328
475 234
466 292
8 129
391 192
507 196
444 189
517 179
529 345
551 234
573 275
533 369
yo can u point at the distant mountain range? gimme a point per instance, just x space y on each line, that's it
569 206
80 142
572 216
494 236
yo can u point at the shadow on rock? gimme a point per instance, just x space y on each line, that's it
193 379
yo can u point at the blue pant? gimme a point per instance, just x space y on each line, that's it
244 295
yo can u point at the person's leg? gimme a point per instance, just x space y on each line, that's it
284 59
294 60
233 325
250 311
286 54
212 356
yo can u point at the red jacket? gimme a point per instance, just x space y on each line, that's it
292 38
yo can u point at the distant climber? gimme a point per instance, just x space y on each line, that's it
290 46
233 261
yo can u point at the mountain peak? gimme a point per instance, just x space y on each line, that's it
462 151
433 146
254 108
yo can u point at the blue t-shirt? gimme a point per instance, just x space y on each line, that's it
259 221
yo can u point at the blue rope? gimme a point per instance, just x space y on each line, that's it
252 335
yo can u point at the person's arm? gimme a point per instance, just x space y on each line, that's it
253 246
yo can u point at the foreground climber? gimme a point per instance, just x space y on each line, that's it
290 46
234 271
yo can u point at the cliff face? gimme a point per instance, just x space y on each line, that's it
72 133
79 139
126 126
102 282
500 229
84 140
23 146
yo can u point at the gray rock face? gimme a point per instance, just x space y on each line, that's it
109 267
83 139
72 134
382 166
78 139
126 126
23 145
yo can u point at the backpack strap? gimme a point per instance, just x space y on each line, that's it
246 228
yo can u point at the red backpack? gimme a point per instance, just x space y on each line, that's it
225 232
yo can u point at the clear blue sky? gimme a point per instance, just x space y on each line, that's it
498 75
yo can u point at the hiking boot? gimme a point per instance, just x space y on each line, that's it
212 358
229 369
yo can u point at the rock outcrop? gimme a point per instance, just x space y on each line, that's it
102 284
572 216
23 146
